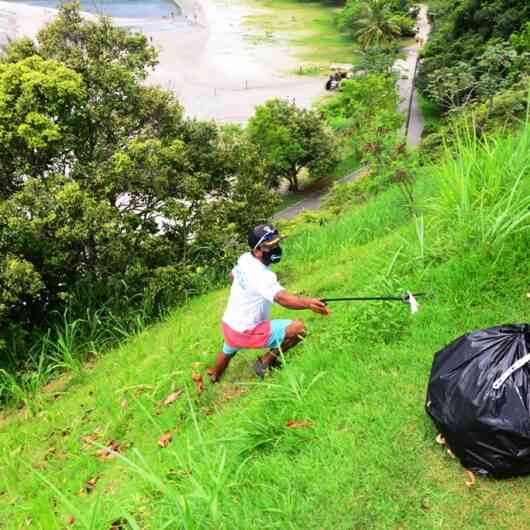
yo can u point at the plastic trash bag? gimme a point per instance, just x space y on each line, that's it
479 398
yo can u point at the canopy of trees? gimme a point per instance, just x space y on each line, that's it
108 195
477 50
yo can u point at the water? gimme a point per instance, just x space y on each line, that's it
117 8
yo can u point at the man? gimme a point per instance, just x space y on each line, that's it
246 321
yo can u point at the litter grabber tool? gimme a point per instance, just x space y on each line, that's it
406 298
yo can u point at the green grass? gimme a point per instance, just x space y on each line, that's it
365 456
308 28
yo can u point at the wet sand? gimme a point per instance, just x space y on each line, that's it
205 57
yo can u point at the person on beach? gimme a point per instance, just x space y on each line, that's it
246 321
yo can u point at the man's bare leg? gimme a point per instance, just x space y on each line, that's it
221 364
294 333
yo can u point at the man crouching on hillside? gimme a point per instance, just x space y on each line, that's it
246 321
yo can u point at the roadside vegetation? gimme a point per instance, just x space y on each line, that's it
475 67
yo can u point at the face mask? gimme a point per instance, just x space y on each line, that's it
273 256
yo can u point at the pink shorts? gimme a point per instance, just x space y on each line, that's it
266 334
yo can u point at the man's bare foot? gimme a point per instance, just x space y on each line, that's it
212 375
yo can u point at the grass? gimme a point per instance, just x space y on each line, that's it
361 454
307 28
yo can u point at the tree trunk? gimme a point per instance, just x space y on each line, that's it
293 182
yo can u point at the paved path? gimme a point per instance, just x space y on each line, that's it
408 105
406 87
313 200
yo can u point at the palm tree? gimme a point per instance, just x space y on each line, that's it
373 25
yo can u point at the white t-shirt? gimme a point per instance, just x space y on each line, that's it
252 294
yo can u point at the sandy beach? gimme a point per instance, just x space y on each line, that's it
206 57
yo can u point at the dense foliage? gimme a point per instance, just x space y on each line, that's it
479 54
292 140
109 196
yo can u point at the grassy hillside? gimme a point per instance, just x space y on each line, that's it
339 438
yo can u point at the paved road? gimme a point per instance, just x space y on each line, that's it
407 68
313 200
408 105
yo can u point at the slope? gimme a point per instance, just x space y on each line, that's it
338 438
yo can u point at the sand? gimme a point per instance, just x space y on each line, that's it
206 57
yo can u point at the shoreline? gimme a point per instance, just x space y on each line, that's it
205 57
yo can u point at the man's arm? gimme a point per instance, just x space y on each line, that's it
231 277
292 301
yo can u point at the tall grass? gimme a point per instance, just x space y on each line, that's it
484 189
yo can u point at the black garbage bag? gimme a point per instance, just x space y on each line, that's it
479 398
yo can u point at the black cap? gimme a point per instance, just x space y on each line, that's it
263 235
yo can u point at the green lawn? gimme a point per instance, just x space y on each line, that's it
308 28
362 454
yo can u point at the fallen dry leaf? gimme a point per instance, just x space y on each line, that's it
88 439
172 397
124 404
140 389
231 393
88 486
71 520
199 383
110 451
91 483
298 424
471 482
165 440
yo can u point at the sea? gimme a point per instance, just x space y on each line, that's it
118 8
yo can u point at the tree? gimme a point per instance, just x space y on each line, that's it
376 60
373 23
41 105
291 140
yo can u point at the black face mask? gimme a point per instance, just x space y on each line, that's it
273 256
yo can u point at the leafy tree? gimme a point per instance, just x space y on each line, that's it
376 60
498 67
41 102
373 22
291 140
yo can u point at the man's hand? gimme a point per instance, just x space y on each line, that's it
292 301
318 306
